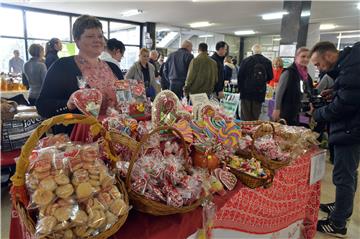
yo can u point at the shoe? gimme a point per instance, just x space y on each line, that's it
327 226
329 208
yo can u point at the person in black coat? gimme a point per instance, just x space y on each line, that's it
343 114
254 73
51 50
61 80
219 56
289 92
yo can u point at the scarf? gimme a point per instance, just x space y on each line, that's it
302 71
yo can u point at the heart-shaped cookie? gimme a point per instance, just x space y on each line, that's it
88 101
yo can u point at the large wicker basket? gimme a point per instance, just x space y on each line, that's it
268 163
140 202
18 191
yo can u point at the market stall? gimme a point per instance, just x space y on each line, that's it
175 170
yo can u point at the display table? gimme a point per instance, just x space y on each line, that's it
258 211
10 94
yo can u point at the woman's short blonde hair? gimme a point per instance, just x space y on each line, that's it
144 50
278 62
228 59
35 50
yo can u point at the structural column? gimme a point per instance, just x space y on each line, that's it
151 29
294 25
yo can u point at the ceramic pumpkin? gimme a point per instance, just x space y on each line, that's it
205 160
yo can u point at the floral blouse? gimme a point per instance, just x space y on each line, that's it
102 78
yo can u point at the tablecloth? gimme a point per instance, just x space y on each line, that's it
258 211
8 158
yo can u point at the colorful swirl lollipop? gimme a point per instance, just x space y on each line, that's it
184 127
230 134
198 129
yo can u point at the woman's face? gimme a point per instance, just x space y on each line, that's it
303 58
58 46
91 42
144 57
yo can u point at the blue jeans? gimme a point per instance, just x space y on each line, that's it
177 88
346 162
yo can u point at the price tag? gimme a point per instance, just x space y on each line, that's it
317 170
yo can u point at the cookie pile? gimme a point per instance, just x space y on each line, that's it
73 191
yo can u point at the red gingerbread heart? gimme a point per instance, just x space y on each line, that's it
88 101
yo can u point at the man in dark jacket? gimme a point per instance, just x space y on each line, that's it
176 68
221 50
255 71
343 114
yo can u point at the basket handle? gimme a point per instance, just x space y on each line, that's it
66 119
255 135
282 121
143 141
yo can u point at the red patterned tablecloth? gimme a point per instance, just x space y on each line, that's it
259 211
263 211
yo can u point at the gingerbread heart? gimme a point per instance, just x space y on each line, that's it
228 179
88 101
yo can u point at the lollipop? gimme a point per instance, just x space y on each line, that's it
198 129
184 127
230 134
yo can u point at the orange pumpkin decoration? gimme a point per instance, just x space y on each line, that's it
205 160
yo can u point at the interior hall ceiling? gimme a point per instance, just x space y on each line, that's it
227 16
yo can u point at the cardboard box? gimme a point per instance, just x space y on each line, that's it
14 133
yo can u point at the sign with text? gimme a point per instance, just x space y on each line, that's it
317 170
198 99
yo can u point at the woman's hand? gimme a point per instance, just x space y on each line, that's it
70 104
276 115
221 95
327 94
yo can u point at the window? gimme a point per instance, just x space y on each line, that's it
47 26
130 57
8 45
11 22
127 33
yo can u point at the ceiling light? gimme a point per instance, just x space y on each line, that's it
276 39
275 15
327 26
131 12
244 32
358 6
200 24
163 30
305 13
348 36
204 36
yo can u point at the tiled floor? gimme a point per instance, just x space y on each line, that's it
327 195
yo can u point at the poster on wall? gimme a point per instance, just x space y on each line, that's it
69 49
287 50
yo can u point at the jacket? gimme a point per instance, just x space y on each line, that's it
176 67
202 75
35 72
276 76
135 73
246 68
60 82
220 65
50 58
343 113
289 94
229 70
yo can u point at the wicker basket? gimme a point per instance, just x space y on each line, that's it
143 204
19 195
252 181
268 163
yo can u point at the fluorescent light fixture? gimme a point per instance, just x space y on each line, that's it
204 36
163 30
244 32
200 24
305 13
276 39
358 6
131 12
349 36
327 26
275 15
